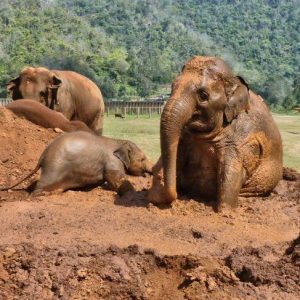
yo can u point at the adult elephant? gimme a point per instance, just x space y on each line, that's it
218 138
70 93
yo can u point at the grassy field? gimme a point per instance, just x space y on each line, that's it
290 132
145 132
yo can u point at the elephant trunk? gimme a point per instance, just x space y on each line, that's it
175 115
149 166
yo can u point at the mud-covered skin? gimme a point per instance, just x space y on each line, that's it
80 158
249 150
70 93
218 139
43 116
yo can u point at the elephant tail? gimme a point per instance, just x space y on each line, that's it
23 179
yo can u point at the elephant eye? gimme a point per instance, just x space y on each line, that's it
203 95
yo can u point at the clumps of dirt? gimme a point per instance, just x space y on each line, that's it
88 272
264 267
22 143
290 174
294 252
289 187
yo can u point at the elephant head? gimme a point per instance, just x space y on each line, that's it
205 98
39 84
135 161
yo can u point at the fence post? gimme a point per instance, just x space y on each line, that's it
125 112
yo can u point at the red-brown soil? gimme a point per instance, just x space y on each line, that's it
92 244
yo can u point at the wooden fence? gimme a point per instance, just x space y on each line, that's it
137 108
4 101
124 108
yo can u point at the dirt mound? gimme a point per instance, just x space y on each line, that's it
89 272
289 187
22 143
59 246
263 266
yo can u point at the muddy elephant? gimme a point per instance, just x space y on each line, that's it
79 159
70 93
218 138
41 115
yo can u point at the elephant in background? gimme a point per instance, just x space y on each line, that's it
218 138
70 93
41 115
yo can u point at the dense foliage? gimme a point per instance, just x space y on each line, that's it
133 48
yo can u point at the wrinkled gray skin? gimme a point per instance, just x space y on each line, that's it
218 138
80 158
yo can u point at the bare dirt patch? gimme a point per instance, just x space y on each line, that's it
93 244
21 144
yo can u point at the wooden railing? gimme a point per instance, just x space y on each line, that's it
137 108
124 108
4 101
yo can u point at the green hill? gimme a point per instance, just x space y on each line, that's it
131 48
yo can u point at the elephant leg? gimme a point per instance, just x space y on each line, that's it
54 188
117 181
156 193
230 180
97 124
65 104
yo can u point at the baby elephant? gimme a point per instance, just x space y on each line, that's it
80 159
40 114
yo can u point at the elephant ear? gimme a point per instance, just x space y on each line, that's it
55 82
12 88
53 86
123 153
238 99
14 83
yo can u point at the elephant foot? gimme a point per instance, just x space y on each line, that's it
153 196
170 196
42 192
157 195
225 208
39 193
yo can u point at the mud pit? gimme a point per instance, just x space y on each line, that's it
94 245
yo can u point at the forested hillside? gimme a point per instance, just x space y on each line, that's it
132 48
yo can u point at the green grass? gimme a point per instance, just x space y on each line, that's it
289 126
145 133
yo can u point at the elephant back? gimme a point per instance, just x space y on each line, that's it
78 97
